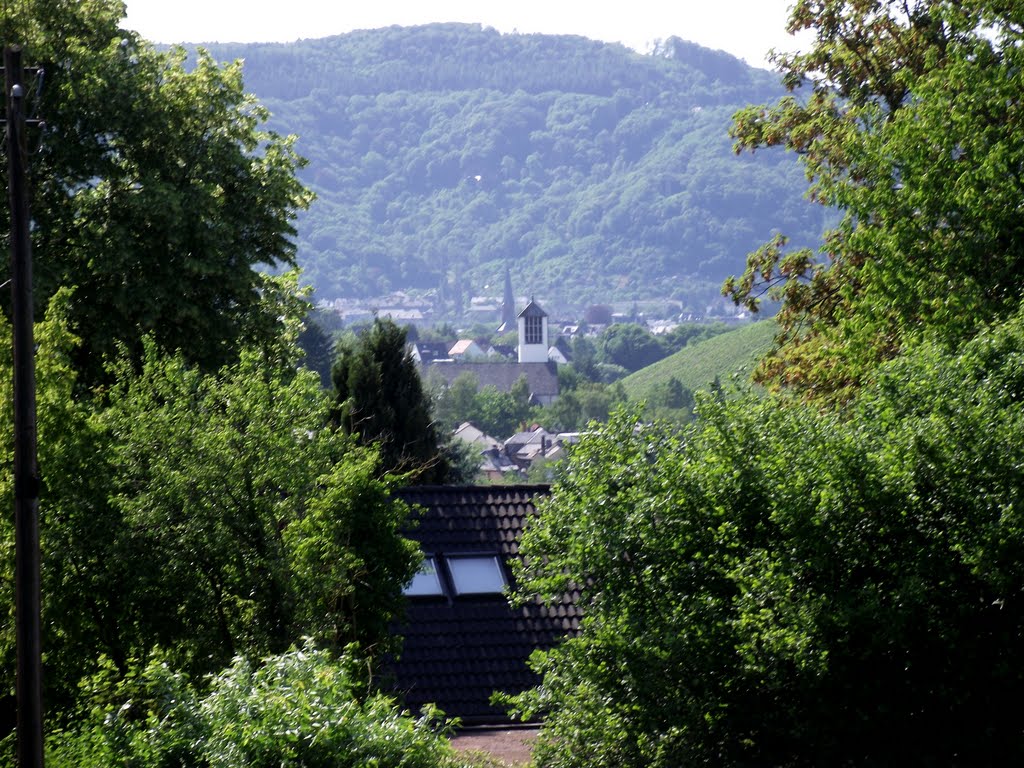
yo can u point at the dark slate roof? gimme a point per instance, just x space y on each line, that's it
541 377
432 350
458 650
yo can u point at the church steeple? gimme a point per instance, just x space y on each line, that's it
508 306
533 334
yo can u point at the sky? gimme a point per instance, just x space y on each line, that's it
744 28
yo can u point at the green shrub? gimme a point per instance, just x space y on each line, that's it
301 708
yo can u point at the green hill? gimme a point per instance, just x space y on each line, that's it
442 153
733 353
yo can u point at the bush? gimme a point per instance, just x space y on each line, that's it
301 708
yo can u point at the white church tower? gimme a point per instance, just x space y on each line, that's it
533 334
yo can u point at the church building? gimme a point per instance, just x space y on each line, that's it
532 358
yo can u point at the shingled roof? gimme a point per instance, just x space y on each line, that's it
459 649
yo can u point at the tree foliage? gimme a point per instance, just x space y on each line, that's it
575 408
630 346
441 153
504 413
210 514
910 129
156 190
380 400
782 586
317 342
301 708
499 414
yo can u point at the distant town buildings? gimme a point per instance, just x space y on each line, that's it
512 458
500 311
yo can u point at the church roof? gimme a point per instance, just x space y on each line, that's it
533 310
542 378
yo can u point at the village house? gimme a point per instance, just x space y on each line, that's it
462 640
466 350
424 352
514 457
524 448
469 433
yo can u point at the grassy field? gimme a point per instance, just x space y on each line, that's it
732 353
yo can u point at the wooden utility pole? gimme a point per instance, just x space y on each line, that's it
26 465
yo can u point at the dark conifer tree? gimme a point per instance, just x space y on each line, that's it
380 399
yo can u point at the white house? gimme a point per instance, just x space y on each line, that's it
466 349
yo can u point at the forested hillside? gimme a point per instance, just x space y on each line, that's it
441 153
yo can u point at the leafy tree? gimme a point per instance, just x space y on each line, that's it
675 395
574 410
301 708
543 471
630 346
563 415
465 462
456 402
209 514
609 373
568 378
282 519
155 189
584 358
72 509
785 586
671 395
379 399
909 130
600 171
501 414
442 332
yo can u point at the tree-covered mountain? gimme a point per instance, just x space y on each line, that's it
442 153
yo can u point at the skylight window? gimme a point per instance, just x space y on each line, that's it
426 582
476 575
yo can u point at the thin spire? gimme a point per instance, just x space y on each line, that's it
508 306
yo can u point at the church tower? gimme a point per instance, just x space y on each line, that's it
533 334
